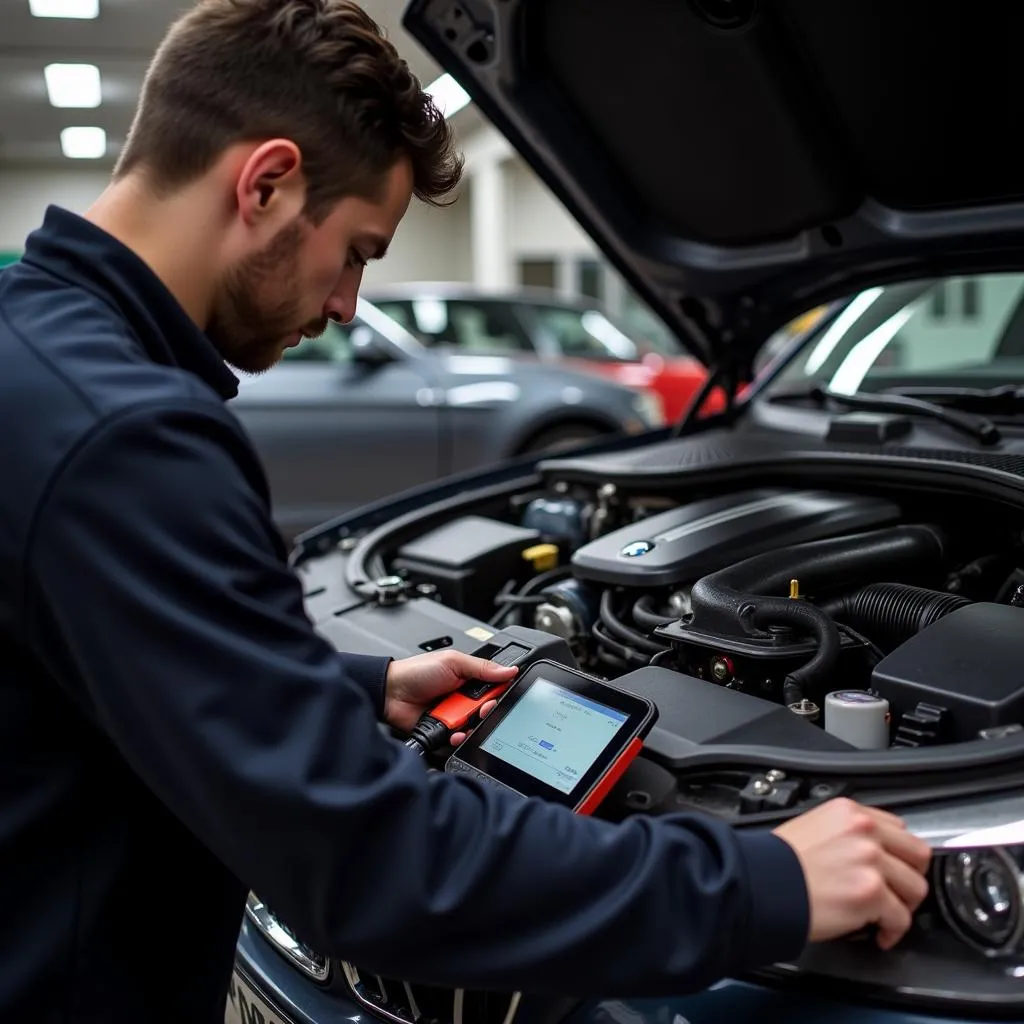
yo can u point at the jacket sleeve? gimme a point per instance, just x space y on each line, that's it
185 635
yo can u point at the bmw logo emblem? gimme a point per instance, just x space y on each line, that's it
636 548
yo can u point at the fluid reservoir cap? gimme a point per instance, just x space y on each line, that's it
542 556
860 717
856 697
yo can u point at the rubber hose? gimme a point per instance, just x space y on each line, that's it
747 594
821 565
891 613
763 612
646 617
622 632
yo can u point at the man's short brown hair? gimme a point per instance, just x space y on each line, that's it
317 72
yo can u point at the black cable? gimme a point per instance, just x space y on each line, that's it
626 653
869 644
509 602
644 614
619 629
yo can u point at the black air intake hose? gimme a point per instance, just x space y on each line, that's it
891 613
750 593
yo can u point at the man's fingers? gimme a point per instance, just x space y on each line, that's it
906 847
458 738
882 817
480 668
909 885
894 920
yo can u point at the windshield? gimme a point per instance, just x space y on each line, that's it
948 332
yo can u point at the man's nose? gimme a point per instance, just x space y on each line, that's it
341 306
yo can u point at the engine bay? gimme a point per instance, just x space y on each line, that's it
813 619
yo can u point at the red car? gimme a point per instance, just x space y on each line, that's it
536 324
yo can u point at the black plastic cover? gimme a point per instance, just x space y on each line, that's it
970 662
468 559
688 542
694 713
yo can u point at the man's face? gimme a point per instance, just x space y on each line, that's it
274 297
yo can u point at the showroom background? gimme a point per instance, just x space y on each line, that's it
504 230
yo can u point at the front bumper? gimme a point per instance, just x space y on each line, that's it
264 981
266 986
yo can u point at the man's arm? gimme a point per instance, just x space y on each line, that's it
155 590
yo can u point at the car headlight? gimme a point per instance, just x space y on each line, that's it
965 951
979 893
649 408
281 938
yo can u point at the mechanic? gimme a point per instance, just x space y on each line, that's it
173 732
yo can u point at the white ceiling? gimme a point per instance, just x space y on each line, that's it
120 41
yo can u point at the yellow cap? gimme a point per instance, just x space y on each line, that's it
794 589
542 556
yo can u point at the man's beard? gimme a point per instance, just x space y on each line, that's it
249 326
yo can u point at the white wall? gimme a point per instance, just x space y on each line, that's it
24 196
431 244
539 226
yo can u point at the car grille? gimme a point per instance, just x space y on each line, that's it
406 1003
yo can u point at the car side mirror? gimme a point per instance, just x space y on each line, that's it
368 347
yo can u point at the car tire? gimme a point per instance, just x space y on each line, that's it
556 439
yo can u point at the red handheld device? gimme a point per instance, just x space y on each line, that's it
559 734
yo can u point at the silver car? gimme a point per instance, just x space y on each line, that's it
365 411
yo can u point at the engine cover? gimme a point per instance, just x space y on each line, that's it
688 542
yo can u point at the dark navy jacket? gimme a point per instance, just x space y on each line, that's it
173 731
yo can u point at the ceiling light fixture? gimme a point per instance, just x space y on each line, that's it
73 85
449 96
83 143
64 8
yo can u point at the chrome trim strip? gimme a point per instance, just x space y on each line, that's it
279 937
996 820
413 1005
355 986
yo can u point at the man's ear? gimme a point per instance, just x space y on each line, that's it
271 186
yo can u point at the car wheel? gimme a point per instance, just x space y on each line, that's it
557 439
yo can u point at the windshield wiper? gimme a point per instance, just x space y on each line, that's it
1005 400
981 429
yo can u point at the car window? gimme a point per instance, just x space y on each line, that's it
485 327
333 346
471 326
948 331
584 334
401 312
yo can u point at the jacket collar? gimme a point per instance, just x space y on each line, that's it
75 249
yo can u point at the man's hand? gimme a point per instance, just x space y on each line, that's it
415 684
862 867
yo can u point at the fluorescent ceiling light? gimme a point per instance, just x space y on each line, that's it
73 85
83 143
65 8
449 96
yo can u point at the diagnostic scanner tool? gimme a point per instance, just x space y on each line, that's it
559 734
513 646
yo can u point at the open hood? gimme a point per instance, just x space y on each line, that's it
740 161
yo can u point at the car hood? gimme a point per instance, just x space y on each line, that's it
741 161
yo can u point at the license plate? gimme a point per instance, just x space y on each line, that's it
244 1006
